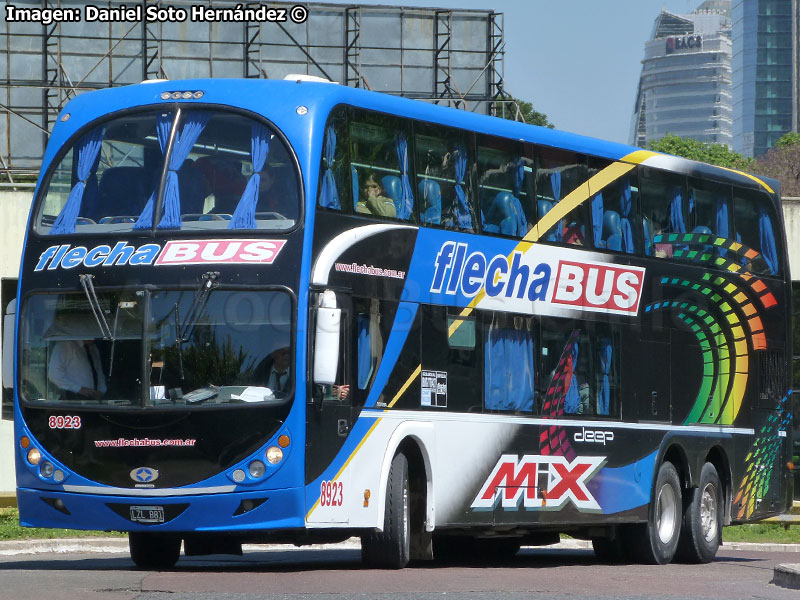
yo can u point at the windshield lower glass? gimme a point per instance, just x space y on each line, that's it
224 171
187 349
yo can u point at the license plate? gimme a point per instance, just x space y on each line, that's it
147 514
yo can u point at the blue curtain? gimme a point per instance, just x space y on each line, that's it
184 142
329 195
509 369
244 217
462 214
407 203
555 184
364 352
597 220
85 152
648 239
767 239
354 181
572 399
676 223
626 205
722 226
519 175
604 399
163 126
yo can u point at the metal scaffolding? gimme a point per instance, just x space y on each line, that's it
451 57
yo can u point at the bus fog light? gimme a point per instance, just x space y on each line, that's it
238 475
257 469
58 476
46 469
34 456
274 455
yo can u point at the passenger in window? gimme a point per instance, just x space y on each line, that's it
372 201
585 395
573 234
661 227
224 179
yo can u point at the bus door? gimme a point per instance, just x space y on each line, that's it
650 380
329 414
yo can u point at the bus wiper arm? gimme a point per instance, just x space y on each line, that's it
198 304
94 304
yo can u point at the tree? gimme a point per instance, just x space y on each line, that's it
519 110
714 154
783 163
789 139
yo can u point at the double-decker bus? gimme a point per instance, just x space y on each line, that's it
297 312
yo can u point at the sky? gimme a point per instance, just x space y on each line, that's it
577 61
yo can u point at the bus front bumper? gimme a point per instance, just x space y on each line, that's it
235 511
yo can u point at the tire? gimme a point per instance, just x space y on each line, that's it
391 548
656 541
154 550
701 532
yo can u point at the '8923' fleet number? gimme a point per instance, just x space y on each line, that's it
66 422
331 493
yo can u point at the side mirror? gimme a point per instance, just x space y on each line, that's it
326 339
8 344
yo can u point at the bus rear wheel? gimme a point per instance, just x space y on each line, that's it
702 520
656 541
154 550
391 548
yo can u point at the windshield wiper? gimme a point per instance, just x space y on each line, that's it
94 304
198 304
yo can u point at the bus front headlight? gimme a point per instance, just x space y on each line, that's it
274 455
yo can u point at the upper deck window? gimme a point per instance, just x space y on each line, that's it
223 171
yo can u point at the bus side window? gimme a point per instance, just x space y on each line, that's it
379 161
663 203
444 166
756 227
509 380
502 188
369 342
335 180
605 399
614 211
559 174
450 377
709 215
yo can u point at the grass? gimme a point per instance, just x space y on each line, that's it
11 530
757 532
768 533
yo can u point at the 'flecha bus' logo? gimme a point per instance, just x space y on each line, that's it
144 474
539 483
174 252
584 285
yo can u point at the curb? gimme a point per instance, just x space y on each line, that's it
119 545
787 576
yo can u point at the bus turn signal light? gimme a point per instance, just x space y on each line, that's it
283 441
790 465
24 441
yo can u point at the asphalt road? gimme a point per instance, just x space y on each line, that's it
336 574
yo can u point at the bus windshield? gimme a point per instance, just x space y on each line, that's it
201 347
224 171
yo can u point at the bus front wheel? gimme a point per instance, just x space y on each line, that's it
154 550
656 541
391 548
702 520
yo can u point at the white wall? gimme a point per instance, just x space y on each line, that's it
791 215
14 209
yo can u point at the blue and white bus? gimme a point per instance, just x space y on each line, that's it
293 311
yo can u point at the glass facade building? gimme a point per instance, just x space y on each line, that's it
685 85
764 73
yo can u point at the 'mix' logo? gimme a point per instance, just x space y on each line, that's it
539 483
